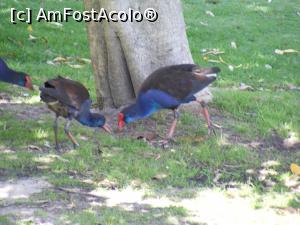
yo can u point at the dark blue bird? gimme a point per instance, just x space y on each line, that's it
10 76
70 99
168 88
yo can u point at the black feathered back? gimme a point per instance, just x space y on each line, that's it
179 81
68 92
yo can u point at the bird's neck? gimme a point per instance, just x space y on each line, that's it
85 118
84 115
141 109
10 76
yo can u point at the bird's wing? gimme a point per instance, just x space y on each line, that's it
69 92
177 81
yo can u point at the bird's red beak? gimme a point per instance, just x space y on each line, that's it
107 128
121 122
28 83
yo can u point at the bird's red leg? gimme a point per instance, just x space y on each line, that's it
173 126
69 134
55 133
207 118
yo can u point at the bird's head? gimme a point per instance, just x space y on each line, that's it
127 115
208 74
121 120
25 81
99 121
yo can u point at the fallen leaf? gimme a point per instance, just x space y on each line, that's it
108 184
159 176
157 157
268 67
245 87
84 60
29 28
271 163
148 136
34 148
282 52
292 181
83 138
59 59
204 23
233 45
231 67
136 183
49 62
293 87
210 13
47 144
295 169
214 51
32 38
218 175
291 141
74 66
211 60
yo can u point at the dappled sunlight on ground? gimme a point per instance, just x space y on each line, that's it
22 188
34 99
208 206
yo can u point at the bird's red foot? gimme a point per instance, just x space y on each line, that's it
165 143
211 128
75 145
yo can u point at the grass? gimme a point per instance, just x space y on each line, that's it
195 163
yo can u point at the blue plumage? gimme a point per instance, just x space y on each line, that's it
149 103
10 76
70 99
168 88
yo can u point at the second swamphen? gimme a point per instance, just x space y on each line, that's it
10 76
70 99
168 88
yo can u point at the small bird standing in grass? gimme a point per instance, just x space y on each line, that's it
70 99
10 76
168 88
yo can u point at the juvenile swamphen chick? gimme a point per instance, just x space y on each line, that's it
70 99
10 76
168 88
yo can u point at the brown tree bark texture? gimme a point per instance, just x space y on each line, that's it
124 54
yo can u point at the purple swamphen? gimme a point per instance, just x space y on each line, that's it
168 88
70 99
10 76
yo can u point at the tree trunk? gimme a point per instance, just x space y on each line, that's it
125 53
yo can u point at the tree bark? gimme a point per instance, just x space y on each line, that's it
125 53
